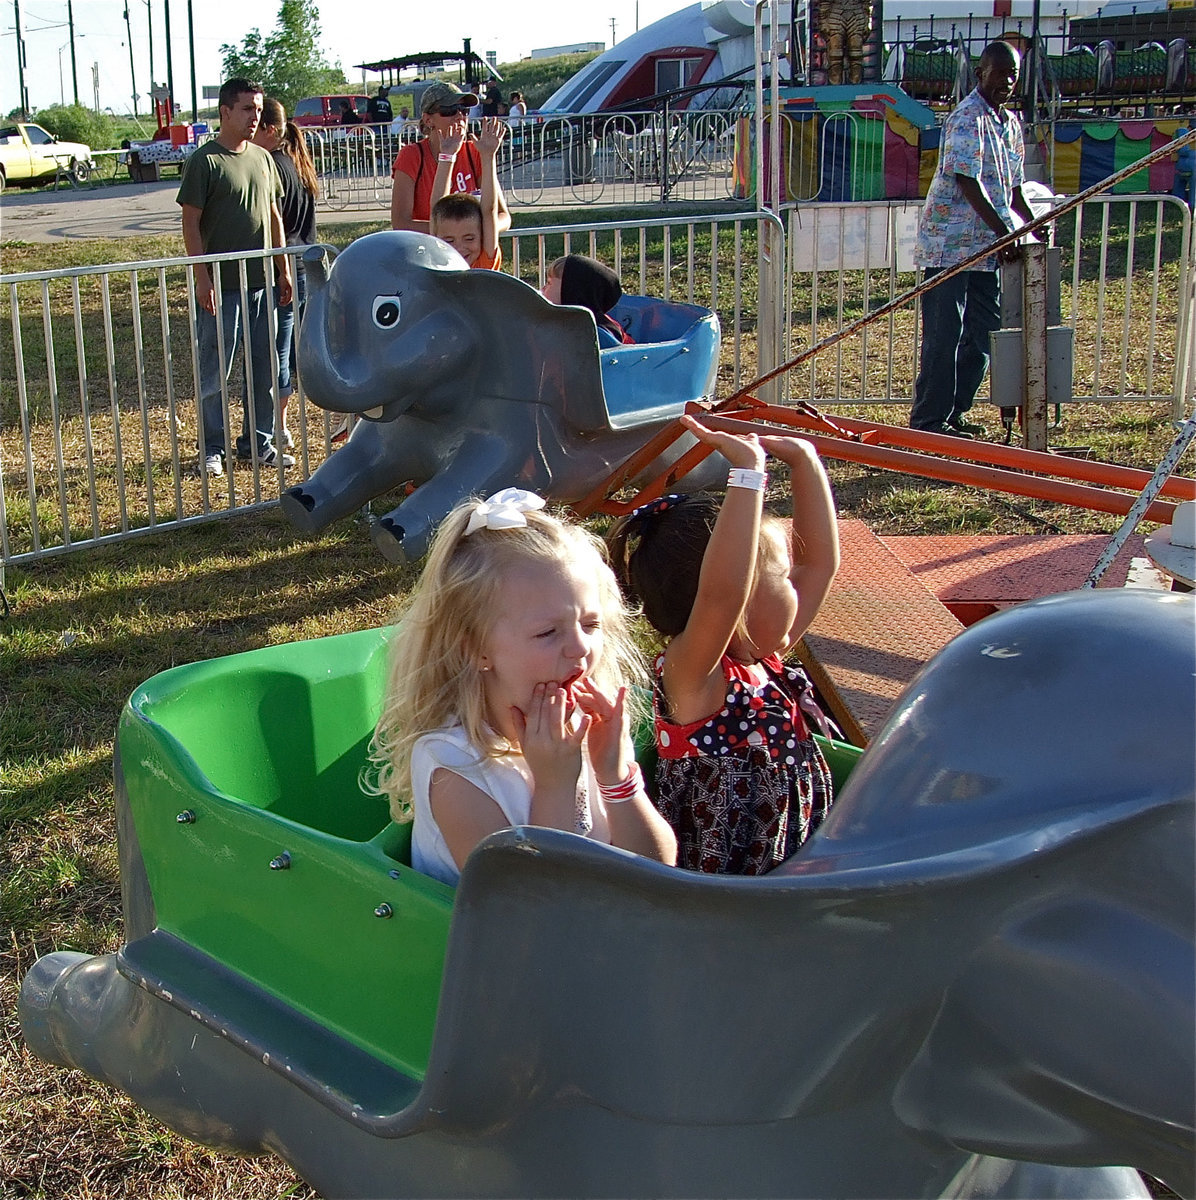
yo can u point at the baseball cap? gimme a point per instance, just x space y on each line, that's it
442 93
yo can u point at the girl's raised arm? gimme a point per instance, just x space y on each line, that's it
693 674
815 540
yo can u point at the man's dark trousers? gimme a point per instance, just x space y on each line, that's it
957 318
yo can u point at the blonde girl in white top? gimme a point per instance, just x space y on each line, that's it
507 697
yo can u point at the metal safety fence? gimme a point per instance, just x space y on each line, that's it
1127 275
99 379
100 373
609 158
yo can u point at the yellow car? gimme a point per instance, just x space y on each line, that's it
29 154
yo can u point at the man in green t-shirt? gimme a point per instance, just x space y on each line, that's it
229 197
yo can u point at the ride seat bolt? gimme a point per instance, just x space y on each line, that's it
282 862
186 817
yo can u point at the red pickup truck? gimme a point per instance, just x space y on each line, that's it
325 111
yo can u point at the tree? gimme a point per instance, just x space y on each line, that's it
289 63
74 123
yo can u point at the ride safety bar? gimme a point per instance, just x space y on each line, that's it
1010 469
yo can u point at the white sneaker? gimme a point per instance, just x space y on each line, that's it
213 464
271 455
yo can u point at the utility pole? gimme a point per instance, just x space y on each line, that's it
22 94
70 19
132 69
191 48
149 17
612 31
169 67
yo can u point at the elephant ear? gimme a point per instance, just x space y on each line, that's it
534 351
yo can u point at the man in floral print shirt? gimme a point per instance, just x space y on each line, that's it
976 190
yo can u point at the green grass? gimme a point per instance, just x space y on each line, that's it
83 632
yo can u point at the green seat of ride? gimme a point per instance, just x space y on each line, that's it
239 796
261 850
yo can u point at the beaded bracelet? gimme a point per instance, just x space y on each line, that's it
745 477
619 793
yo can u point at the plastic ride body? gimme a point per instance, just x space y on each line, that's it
988 954
470 382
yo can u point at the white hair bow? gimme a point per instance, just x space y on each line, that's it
504 510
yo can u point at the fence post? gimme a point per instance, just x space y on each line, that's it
1034 344
1185 350
771 265
664 151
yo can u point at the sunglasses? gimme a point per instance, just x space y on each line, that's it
453 110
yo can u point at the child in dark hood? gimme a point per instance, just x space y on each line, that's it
587 283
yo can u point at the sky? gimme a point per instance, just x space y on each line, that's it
377 29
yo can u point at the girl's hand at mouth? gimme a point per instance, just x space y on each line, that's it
551 741
611 751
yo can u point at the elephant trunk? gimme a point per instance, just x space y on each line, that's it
321 383
80 1011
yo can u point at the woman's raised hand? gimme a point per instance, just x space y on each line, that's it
450 142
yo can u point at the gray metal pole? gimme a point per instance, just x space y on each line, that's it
771 245
132 69
1030 107
191 50
149 19
169 66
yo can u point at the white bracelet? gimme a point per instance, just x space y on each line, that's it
745 477
446 158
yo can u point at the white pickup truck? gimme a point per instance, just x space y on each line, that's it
28 154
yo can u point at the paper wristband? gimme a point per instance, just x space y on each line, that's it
446 158
744 477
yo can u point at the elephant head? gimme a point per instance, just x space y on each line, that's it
378 333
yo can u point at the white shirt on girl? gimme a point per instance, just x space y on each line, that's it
507 780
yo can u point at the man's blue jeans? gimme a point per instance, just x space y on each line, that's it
255 326
957 318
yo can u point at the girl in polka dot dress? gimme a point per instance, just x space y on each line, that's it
739 776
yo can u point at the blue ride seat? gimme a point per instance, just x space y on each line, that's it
672 360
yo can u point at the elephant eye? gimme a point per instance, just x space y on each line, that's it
386 311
